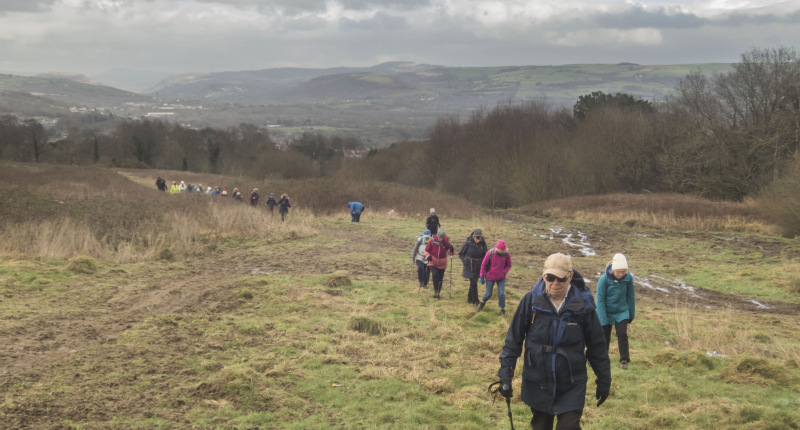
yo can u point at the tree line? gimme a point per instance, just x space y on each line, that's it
725 136
246 150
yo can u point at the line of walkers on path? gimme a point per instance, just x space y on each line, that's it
558 322
480 264
283 204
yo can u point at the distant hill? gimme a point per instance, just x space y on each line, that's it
26 104
70 77
131 80
268 86
65 88
429 86
380 104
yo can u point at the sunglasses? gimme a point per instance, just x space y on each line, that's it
552 278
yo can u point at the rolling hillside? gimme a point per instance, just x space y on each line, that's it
380 104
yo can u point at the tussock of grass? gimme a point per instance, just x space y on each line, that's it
685 359
338 278
366 325
82 265
757 371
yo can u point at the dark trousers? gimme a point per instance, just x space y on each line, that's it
622 339
355 217
438 278
283 216
567 421
423 273
472 294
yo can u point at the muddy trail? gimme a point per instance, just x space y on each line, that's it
42 341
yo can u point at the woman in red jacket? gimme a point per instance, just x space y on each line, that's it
436 253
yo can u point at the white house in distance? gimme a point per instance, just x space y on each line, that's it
354 153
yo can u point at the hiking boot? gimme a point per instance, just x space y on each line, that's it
480 306
623 365
503 313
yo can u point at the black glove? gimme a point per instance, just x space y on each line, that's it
602 395
506 390
430 258
451 248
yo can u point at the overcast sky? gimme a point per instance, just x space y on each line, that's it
175 36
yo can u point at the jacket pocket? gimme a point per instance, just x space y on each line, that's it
534 369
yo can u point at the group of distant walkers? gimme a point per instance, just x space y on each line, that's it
559 322
283 203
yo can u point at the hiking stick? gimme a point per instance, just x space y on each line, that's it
451 277
508 399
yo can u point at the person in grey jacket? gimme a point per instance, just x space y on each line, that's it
616 304
558 324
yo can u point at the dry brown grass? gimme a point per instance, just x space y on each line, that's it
664 211
724 331
60 212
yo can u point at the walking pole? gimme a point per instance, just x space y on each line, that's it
508 399
451 277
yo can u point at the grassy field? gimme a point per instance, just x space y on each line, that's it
317 323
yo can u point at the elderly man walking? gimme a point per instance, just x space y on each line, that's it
559 326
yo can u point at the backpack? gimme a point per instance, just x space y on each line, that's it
491 254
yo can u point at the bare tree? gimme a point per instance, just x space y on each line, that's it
36 136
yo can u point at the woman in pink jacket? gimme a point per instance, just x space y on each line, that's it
494 269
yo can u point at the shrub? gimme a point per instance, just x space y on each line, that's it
166 254
781 202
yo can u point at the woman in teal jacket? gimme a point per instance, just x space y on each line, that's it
616 304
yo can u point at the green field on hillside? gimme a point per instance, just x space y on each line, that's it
254 333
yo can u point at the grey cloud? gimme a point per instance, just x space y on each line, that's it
661 18
23 5
316 5
738 19
380 22
365 4
639 17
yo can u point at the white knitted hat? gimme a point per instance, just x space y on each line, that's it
619 262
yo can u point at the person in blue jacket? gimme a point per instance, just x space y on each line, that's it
355 211
616 304
558 324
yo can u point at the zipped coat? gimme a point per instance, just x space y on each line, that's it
471 254
437 250
554 373
501 264
616 301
